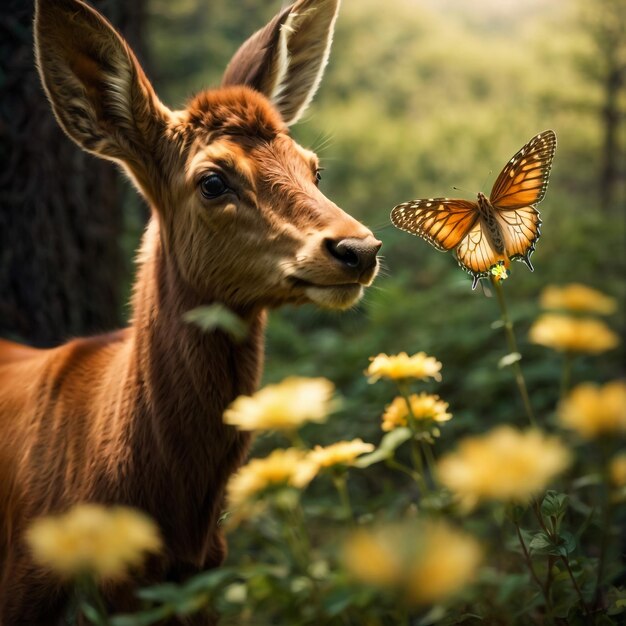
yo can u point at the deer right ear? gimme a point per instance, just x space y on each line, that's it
99 93
285 60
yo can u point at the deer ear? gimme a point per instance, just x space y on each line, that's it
285 60
99 93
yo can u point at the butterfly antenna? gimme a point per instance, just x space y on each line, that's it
486 179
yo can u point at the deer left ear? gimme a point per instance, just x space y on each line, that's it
285 60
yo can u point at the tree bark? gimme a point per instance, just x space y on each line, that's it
61 264
610 174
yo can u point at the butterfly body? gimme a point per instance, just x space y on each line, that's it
493 230
489 223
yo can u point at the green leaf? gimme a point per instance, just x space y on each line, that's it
395 439
168 592
385 449
567 542
373 457
217 317
144 618
541 544
509 359
92 614
554 504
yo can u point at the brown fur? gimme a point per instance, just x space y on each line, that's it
134 417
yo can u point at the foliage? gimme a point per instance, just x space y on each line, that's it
353 534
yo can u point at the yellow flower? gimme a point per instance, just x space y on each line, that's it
426 562
425 406
402 365
504 464
340 453
286 405
570 334
90 538
500 271
577 297
281 467
594 411
617 470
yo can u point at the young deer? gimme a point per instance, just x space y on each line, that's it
135 417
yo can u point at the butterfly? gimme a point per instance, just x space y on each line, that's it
490 231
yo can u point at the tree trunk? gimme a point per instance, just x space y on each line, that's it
610 174
61 265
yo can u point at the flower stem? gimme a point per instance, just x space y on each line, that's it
533 573
430 462
554 538
607 514
341 485
512 342
579 593
566 375
394 464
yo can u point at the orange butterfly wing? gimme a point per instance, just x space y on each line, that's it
524 179
440 221
475 253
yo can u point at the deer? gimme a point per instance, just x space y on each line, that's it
134 417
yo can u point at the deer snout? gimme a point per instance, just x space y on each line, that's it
357 254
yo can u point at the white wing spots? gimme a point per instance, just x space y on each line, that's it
429 204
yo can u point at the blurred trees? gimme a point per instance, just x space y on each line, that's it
604 21
61 220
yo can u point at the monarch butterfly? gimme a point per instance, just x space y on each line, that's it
492 230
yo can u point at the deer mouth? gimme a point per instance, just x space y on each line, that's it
330 296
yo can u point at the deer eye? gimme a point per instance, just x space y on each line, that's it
213 186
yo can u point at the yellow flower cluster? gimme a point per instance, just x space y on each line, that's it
504 464
90 538
292 467
594 411
570 334
500 271
424 406
577 297
617 470
340 453
425 563
284 406
400 366
281 467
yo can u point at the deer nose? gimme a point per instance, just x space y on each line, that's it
359 254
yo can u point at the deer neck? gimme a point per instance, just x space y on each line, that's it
189 376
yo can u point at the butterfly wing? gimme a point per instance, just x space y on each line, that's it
524 179
521 229
442 222
475 253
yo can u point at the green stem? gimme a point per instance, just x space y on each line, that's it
512 342
88 593
554 538
394 464
341 485
607 514
579 593
430 461
533 573
416 452
566 375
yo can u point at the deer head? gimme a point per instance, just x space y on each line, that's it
240 215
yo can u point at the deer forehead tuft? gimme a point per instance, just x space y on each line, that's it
236 110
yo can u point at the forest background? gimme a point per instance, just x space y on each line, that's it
420 96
